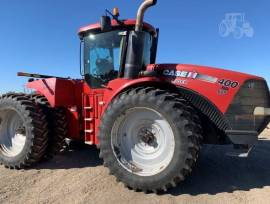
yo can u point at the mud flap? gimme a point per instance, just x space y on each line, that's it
241 151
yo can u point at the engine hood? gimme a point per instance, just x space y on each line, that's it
217 85
179 70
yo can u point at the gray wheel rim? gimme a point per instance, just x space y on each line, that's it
143 141
12 133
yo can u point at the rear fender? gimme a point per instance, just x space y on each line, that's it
63 93
59 92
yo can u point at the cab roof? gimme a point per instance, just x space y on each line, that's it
129 23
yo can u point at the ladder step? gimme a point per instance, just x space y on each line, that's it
88 108
89 131
88 119
89 143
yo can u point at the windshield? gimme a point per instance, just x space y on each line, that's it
102 56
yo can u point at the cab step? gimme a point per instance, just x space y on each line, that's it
89 131
88 119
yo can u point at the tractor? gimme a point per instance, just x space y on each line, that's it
148 120
236 24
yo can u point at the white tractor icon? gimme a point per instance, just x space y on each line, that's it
236 24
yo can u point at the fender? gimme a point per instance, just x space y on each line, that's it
63 93
59 92
199 101
118 86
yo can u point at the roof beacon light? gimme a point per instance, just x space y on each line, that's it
116 12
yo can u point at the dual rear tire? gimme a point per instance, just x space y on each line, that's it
23 131
29 130
57 125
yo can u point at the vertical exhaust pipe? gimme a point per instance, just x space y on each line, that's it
135 50
140 15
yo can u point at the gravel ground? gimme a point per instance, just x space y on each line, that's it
78 177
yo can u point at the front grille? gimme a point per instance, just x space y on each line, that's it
254 93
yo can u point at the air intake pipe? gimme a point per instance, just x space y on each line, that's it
135 49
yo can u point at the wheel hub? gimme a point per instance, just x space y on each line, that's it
147 136
12 133
20 130
143 141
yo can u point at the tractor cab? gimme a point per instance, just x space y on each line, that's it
235 17
105 50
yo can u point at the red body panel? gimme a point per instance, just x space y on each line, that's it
59 92
85 106
63 93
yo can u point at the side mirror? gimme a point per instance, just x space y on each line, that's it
105 23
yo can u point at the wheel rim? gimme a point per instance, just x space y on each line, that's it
12 133
143 141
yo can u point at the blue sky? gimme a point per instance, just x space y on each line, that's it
41 35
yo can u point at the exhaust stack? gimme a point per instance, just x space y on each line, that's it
135 50
140 15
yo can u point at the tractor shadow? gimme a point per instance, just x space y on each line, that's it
81 156
217 173
214 173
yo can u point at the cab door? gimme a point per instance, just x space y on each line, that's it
101 65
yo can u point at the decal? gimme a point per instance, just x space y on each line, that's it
189 75
179 81
223 91
207 78
177 73
228 83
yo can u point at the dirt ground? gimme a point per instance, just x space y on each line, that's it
78 177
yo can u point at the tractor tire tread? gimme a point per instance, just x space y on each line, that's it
56 118
39 135
185 118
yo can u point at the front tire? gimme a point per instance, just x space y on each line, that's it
149 139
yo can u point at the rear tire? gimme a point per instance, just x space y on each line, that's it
57 122
145 161
23 131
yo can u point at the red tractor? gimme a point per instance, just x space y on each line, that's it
149 120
